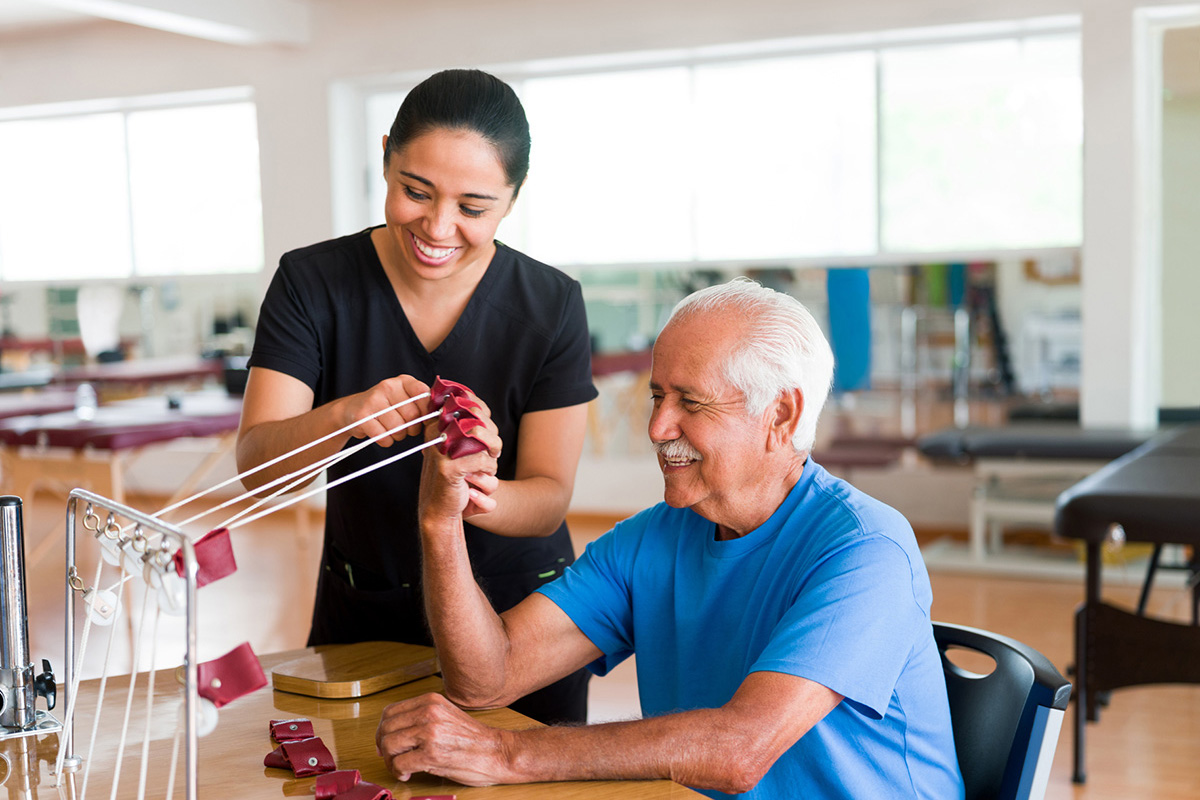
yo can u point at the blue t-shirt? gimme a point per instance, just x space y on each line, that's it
831 588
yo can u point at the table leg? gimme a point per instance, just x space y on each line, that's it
1084 694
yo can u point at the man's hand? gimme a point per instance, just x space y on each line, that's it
461 487
431 734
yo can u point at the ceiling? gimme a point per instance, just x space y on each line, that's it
246 22
19 15
286 21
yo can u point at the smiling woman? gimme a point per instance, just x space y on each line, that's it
355 325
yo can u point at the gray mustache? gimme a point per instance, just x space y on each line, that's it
676 449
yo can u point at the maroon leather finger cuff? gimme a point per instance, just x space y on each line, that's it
214 557
231 676
304 757
457 408
442 389
289 730
459 442
365 790
331 784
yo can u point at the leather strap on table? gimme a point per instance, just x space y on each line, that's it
289 730
304 757
331 784
365 790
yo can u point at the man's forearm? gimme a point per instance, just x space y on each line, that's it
704 749
469 635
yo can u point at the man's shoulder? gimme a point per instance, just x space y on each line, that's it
836 503
659 525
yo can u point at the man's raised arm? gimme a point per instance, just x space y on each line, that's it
486 659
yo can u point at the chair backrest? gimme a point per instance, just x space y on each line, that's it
1006 722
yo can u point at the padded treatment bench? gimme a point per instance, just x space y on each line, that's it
1153 495
1021 469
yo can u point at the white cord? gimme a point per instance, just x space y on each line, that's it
137 648
303 474
149 701
100 694
68 740
338 482
287 455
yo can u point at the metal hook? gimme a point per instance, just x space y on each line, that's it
74 581
139 539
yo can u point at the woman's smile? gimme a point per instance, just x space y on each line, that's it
430 255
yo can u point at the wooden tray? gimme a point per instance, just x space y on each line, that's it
355 670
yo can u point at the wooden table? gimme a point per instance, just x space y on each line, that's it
231 758
1153 494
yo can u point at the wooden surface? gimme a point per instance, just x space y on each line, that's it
231 758
354 670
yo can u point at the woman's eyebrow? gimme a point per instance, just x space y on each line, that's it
430 184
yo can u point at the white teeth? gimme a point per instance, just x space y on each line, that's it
433 252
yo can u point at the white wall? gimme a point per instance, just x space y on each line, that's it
354 38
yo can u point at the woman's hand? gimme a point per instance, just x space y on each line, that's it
383 395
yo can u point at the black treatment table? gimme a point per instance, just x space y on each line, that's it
1153 494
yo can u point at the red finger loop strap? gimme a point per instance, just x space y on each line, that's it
214 557
331 784
457 419
304 757
457 408
289 730
233 675
442 389
458 441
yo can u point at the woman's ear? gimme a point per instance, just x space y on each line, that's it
787 409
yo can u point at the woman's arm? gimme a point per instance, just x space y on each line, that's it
535 502
278 416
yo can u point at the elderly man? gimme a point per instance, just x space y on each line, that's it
779 616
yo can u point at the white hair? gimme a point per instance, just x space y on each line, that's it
784 349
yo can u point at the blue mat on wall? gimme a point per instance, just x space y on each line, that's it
849 292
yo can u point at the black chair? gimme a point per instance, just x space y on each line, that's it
1006 722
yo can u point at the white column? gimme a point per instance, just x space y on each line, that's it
1120 383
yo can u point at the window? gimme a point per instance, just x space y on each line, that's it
786 161
611 178
130 192
882 147
982 145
